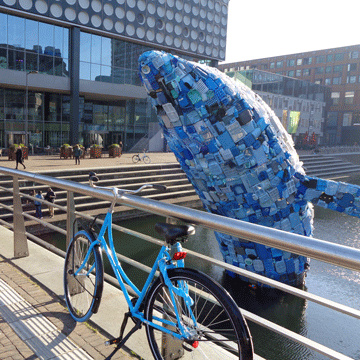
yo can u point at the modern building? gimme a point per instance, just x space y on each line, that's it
300 105
338 68
68 69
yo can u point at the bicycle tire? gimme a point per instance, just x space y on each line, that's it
83 293
135 159
146 159
227 315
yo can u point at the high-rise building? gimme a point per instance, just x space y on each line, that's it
68 69
338 68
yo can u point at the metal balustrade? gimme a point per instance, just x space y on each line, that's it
314 248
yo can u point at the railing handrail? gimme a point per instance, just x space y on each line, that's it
321 250
318 249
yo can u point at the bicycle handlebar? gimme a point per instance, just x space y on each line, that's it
117 191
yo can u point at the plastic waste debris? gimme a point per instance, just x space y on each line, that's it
240 160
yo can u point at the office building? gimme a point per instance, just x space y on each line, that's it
300 105
68 69
338 68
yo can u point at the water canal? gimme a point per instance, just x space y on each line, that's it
337 331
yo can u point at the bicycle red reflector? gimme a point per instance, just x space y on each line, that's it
180 255
195 344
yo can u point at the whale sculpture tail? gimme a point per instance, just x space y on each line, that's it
240 160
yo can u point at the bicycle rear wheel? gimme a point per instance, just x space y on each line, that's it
215 328
146 159
83 291
135 159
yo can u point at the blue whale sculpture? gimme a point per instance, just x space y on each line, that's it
240 160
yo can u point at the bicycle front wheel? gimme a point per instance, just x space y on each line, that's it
214 326
146 159
135 159
83 291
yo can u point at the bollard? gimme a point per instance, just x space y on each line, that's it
20 240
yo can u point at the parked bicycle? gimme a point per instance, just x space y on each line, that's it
182 305
145 158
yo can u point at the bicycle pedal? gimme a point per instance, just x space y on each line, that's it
112 341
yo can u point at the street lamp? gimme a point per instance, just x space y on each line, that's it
27 107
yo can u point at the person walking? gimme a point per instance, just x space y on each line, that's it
77 154
38 205
50 197
19 158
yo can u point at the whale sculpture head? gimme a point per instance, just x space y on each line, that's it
237 155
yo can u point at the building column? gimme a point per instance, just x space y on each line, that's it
74 85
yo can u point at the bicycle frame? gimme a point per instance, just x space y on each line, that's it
163 263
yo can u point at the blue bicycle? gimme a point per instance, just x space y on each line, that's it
187 315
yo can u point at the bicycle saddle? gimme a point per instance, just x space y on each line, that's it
173 233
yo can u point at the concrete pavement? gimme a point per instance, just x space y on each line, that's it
42 163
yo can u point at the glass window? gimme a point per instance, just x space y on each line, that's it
264 66
291 73
339 57
65 53
307 61
319 70
272 65
46 38
84 70
320 59
329 58
16 33
279 64
352 67
32 59
32 35
106 53
353 55
306 72
336 80
119 75
347 119
59 41
349 97
95 50
327 81
291 62
328 69
338 68
335 97
298 72
95 72
85 47
3 58
3 30
299 62
46 64
16 60
351 79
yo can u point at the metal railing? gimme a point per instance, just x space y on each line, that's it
314 248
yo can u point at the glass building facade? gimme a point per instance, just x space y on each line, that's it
289 96
70 73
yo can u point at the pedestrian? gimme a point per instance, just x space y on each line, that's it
77 154
50 197
121 146
19 158
38 205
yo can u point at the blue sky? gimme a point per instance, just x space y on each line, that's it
264 28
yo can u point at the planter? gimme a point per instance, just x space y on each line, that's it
66 152
12 152
115 152
95 152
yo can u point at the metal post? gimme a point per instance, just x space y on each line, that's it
171 348
20 239
27 107
70 219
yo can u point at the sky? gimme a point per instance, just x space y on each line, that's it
264 28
